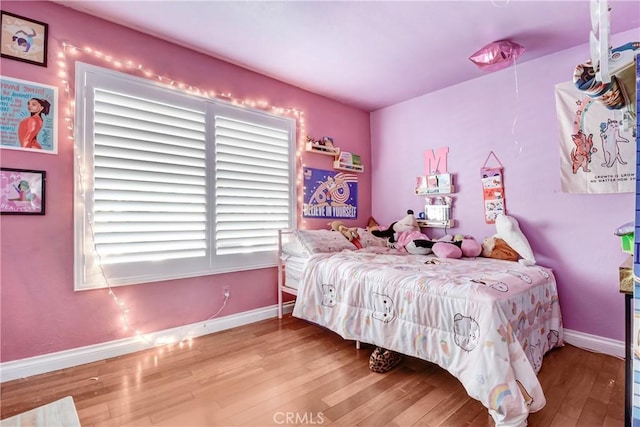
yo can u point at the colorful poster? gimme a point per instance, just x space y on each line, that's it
597 147
330 194
29 116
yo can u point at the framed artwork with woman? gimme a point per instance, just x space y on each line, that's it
29 116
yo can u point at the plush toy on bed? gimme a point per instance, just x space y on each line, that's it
405 235
350 233
457 246
509 243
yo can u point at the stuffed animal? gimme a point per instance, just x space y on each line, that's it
350 233
494 247
408 223
372 224
405 235
509 242
457 246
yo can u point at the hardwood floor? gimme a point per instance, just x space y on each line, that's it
289 372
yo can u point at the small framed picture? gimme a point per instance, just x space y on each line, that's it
22 191
23 39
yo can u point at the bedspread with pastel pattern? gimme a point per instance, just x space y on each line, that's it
488 322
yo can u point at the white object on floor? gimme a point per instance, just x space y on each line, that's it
55 414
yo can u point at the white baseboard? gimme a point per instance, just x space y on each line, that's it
78 356
65 359
595 343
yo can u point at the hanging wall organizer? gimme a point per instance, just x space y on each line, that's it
492 189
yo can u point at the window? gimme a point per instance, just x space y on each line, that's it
170 185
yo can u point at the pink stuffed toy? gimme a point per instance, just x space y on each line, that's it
457 247
405 235
409 241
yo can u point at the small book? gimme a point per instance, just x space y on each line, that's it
444 180
346 158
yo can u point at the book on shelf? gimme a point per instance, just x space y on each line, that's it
444 180
345 158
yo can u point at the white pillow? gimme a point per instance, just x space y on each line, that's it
294 247
320 241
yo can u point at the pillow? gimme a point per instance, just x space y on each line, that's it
446 250
292 246
322 241
367 239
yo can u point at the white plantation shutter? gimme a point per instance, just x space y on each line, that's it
150 188
253 183
170 185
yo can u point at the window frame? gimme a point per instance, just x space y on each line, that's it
88 272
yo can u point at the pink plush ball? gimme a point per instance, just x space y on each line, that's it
446 250
471 248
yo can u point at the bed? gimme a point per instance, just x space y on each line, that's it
488 322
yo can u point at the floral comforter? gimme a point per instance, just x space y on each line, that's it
488 322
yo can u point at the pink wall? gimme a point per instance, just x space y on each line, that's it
512 112
40 312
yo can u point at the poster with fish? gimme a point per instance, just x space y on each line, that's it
330 194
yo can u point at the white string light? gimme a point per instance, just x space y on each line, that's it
67 56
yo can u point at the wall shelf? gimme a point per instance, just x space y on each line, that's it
342 160
438 190
347 167
322 149
434 184
450 223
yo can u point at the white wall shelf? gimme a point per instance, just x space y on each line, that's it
439 190
450 223
322 149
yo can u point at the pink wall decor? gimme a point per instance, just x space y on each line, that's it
435 161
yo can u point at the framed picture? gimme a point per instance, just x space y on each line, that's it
22 191
23 39
29 117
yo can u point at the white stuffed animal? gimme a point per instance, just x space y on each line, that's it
508 229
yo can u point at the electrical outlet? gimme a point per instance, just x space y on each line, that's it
225 291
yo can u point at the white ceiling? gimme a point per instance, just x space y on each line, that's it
369 54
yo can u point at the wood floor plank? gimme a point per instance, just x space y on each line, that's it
259 374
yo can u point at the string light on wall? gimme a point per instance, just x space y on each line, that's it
66 58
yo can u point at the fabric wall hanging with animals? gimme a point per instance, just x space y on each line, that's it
597 152
492 189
